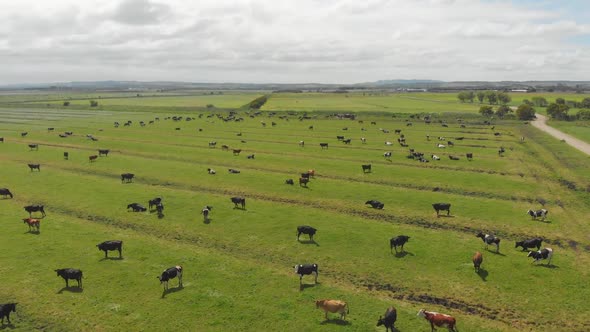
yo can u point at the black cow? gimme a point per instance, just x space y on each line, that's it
303 182
239 200
340 138
530 243
289 181
127 177
324 145
366 168
545 253
442 207
489 239
205 212
250 156
66 155
539 213
107 246
306 269
35 208
171 273
347 141
35 166
5 192
136 207
389 319
5 310
233 171
160 210
2 139
469 156
69 273
375 204
306 230
23 134
103 152
398 241
154 202
34 147
453 157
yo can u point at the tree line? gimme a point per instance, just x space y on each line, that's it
492 97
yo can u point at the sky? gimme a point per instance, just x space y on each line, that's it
293 41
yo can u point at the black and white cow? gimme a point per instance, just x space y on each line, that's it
388 320
442 207
136 207
171 273
5 310
545 253
289 181
530 243
306 269
375 204
538 213
387 154
306 230
69 273
107 246
398 241
205 212
489 239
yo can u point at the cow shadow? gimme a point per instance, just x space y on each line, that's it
71 289
112 259
445 216
171 290
544 221
308 242
403 254
336 321
548 266
302 287
495 252
482 273
33 232
207 221
160 216
7 326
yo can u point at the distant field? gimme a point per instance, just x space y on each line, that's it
578 129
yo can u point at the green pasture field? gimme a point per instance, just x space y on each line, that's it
578 129
239 264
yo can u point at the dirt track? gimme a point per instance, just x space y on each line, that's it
541 123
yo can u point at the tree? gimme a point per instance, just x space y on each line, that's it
539 101
492 97
583 115
503 110
462 96
93 103
560 101
486 110
480 96
585 103
504 98
557 111
470 96
525 112
528 102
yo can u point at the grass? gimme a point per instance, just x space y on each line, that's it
239 265
578 129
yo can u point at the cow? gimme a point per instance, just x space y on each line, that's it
62 135
496 134
324 145
154 202
250 156
388 143
306 269
388 320
5 310
211 171
233 171
107 246
104 152
171 273
289 181
530 243
387 154
34 224
440 320
538 213
136 207
69 133
35 208
400 240
501 151
236 152
489 239
469 156
453 157
160 210
450 143
2 139
545 253
69 273
477 259
441 138
363 140
225 147
127 177
301 143
92 158
442 207
347 141
434 157
442 146
23 134
306 230
340 138
212 144
239 200
34 147
375 204
366 168
303 182
333 306
116 124
5 192
35 166
66 155
205 212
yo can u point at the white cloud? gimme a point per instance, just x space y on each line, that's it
287 41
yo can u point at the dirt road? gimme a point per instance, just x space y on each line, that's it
541 123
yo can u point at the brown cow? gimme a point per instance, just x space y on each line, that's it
477 259
438 319
333 306
92 158
34 224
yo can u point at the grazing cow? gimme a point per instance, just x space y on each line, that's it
434 157
450 143
212 144
306 269
34 147
69 273
408 124
69 133
501 151
205 212
530 243
171 273
250 156
333 306
35 166
127 177
340 138
324 145
397 131
496 134
366 168
388 143
375 204
289 181
233 171
453 157
2 139
489 239
136 207
160 210
237 152
34 224
388 320
35 208
373 122
116 124
545 253
210 171
387 154
462 126
5 192
104 152
62 135
177 128
364 140
225 147
301 143
239 200
66 155
23 134
303 182
477 259
442 146
310 127
440 138
440 320
306 230
538 213
5 310
154 202
92 158
400 240
442 207
469 156
107 246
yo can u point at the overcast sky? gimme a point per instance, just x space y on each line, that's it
294 41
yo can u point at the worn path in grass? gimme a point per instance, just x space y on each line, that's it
541 124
